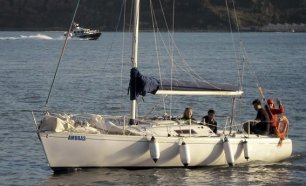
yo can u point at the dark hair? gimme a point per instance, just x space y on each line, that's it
211 111
256 102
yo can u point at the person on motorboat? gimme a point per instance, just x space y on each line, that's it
210 121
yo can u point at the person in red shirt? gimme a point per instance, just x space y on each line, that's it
273 113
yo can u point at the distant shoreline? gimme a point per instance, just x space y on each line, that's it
51 30
266 28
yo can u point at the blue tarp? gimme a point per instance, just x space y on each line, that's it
140 85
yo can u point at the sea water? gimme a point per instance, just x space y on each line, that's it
93 77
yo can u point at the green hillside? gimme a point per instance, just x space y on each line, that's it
190 15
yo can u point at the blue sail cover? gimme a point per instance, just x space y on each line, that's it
140 85
196 85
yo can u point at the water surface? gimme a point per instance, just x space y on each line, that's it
90 79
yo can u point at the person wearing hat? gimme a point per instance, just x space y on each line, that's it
262 122
209 120
274 112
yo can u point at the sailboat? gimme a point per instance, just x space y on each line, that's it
132 141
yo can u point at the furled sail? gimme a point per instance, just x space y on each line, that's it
140 85
196 87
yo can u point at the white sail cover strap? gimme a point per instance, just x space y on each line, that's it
199 93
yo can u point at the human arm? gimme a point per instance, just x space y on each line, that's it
280 106
280 109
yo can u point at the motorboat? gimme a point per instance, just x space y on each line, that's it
83 33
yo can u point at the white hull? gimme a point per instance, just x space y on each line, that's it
71 150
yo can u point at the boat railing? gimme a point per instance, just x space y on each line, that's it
239 127
120 123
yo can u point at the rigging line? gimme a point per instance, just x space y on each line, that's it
152 109
253 72
164 17
116 30
154 22
123 48
243 59
172 55
236 19
188 69
232 36
156 45
62 53
244 55
131 17
111 45
191 72
241 72
186 64
171 37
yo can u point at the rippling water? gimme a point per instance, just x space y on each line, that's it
88 80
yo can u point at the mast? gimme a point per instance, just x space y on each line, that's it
135 55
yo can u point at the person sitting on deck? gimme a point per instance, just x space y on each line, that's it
187 114
262 122
209 120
